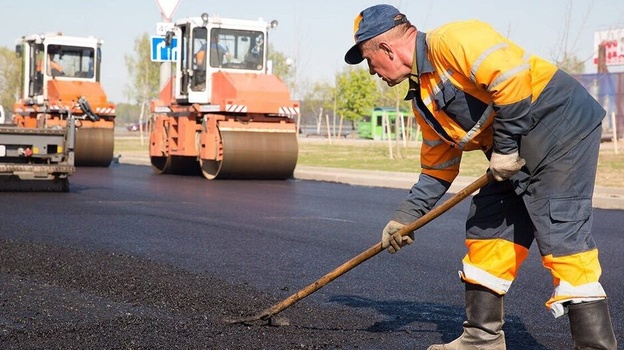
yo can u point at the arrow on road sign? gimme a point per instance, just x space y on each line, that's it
163 53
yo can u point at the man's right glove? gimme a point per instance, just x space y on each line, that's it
504 166
392 240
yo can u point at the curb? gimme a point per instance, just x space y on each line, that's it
604 197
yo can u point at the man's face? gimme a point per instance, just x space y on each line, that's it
384 63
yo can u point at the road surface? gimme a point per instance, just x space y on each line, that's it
129 259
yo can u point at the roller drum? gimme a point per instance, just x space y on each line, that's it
177 165
94 147
265 154
159 164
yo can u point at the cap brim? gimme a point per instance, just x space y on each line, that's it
354 55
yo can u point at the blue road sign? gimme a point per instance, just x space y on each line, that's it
163 53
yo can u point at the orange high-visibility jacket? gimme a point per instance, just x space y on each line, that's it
473 81
473 89
52 67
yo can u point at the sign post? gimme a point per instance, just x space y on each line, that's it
163 27
167 9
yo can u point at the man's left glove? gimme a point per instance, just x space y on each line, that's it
504 166
392 240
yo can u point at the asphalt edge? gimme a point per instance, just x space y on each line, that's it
604 197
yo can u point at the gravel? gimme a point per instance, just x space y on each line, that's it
54 297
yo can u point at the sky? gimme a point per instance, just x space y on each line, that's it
314 33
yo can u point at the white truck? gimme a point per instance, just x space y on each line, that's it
36 159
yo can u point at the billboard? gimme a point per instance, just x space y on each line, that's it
613 41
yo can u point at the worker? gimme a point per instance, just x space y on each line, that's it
200 57
54 68
219 54
473 89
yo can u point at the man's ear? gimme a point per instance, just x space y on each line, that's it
387 49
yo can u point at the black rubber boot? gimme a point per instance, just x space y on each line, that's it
591 326
483 328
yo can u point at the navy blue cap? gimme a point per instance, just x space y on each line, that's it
368 24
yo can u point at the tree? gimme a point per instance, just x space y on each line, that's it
144 75
564 56
126 113
571 64
283 67
394 96
10 78
319 98
357 93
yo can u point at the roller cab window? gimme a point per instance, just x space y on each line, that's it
237 49
69 61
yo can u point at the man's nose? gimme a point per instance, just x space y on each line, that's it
371 71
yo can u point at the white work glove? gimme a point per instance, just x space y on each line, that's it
392 240
504 166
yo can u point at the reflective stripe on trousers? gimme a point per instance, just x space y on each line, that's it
555 211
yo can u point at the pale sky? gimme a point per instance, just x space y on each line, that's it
314 33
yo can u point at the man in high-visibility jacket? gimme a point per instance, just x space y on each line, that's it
473 89
53 68
218 54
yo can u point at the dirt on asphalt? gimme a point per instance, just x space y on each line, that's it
54 297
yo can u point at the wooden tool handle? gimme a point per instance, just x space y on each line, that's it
367 254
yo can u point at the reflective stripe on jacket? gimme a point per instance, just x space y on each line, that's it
473 91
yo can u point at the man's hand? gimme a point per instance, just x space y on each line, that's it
504 166
392 240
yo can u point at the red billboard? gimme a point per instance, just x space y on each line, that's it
613 42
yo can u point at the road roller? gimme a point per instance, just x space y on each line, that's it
62 73
223 114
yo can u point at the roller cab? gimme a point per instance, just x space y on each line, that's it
223 114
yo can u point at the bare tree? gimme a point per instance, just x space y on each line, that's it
565 56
